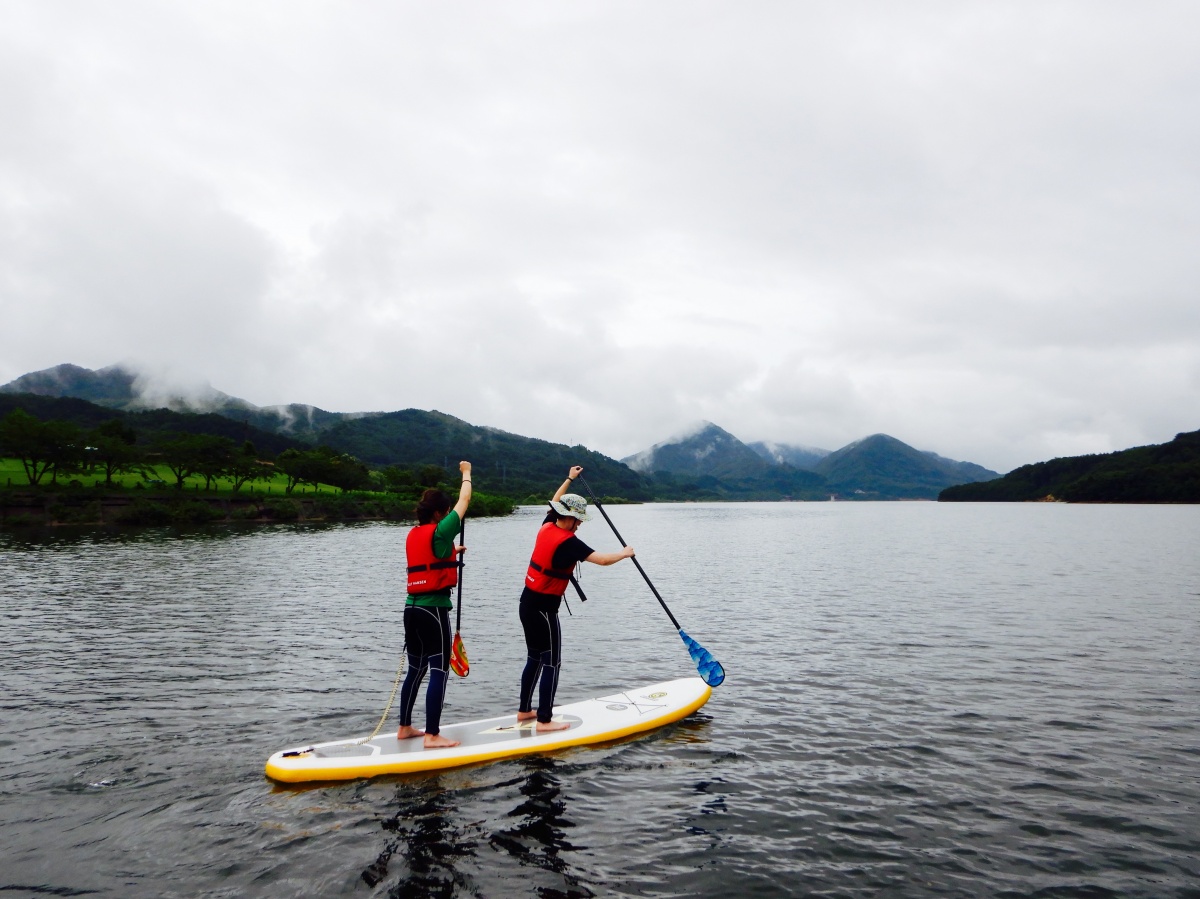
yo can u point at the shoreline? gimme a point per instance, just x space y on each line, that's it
23 508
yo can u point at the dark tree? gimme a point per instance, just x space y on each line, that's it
189 454
24 436
296 467
216 454
431 476
64 448
346 472
397 479
44 447
111 449
323 466
245 466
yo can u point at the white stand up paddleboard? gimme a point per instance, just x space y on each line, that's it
592 721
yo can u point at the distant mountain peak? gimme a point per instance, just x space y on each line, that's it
125 385
798 455
701 448
882 465
131 387
112 386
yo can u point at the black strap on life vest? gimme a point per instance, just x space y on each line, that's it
435 566
550 572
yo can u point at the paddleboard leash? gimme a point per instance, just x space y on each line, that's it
388 709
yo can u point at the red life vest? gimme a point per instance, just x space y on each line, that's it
540 577
426 572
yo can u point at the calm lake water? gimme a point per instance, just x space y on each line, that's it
922 700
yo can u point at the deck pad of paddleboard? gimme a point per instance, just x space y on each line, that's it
591 721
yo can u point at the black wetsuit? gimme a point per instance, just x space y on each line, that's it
543 639
427 641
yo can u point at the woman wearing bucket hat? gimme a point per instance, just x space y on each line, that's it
555 554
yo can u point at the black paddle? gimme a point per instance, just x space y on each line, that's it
458 652
709 668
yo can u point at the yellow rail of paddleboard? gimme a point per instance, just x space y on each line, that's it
433 762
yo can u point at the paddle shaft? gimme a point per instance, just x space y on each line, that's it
462 540
636 563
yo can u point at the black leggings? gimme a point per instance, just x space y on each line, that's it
543 639
427 640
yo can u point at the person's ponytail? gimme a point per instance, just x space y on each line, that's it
431 502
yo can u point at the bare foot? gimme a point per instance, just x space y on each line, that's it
548 727
437 741
407 732
525 716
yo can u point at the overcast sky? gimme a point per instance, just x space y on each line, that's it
975 227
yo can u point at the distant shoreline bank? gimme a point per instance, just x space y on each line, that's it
24 507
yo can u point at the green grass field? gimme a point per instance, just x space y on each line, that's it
12 474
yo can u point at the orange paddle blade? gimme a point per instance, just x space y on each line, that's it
458 657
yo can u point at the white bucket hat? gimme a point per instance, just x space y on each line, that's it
571 504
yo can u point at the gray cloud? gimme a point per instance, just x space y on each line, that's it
972 227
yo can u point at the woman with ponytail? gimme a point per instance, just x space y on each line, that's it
432 571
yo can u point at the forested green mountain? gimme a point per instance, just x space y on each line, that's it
148 424
882 467
710 463
506 463
707 450
1161 473
707 463
716 463
112 386
118 387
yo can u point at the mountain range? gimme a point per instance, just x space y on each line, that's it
508 464
705 463
125 388
876 467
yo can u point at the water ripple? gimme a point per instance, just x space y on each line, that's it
922 700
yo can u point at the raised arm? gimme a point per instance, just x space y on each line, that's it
464 492
576 471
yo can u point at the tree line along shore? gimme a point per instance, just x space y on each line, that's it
55 472
1159 473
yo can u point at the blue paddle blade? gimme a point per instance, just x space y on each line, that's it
710 669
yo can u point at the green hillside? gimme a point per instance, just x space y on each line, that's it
782 483
117 387
708 463
112 386
506 463
711 464
1161 473
149 424
882 467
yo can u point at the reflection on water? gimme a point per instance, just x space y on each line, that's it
432 848
539 839
430 837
